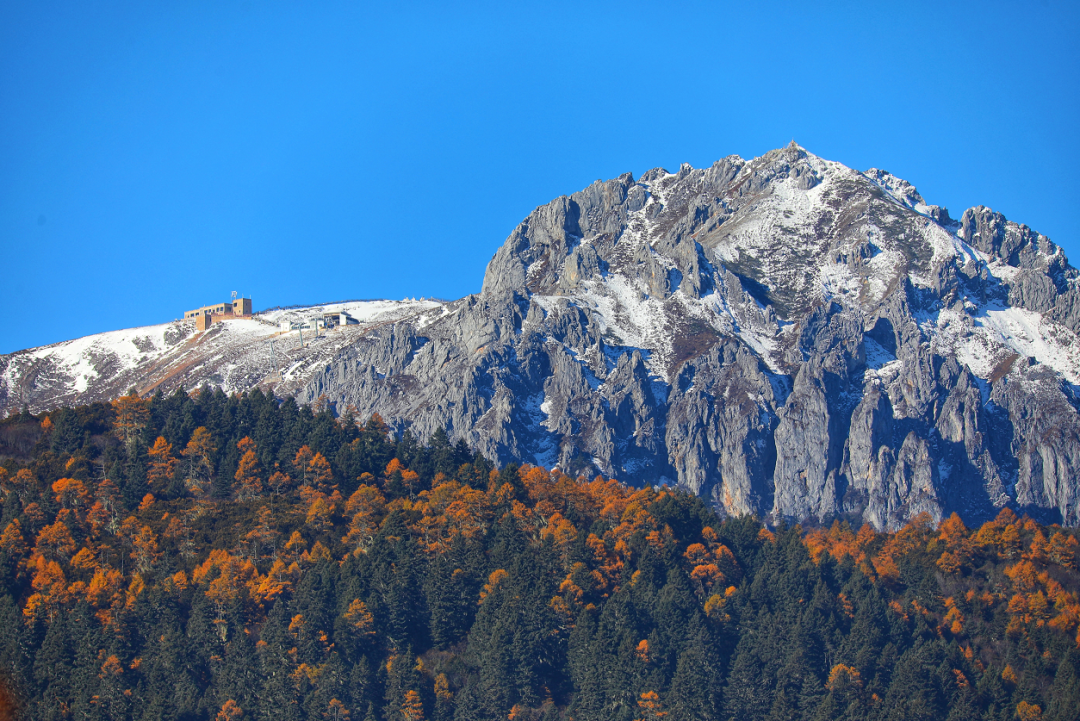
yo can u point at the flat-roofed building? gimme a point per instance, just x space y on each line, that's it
207 315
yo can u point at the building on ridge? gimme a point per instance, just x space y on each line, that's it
209 314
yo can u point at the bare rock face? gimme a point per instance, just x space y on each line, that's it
785 336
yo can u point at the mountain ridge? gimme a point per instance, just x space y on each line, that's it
785 336
710 327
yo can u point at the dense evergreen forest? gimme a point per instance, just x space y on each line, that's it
207 556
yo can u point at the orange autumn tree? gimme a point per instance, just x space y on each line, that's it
359 623
50 589
649 707
263 538
301 462
22 484
278 483
230 711
55 542
318 519
11 540
319 473
953 535
366 507
838 542
248 485
71 493
1063 549
225 588
336 711
145 551
412 709
104 514
161 465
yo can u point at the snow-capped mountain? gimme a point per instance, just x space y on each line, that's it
235 355
785 336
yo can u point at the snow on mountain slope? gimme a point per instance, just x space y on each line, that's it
770 238
234 355
784 335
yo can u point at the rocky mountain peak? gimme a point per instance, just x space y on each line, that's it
786 336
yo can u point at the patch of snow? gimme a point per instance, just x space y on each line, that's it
837 280
547 452
984 340
876 354
1029 334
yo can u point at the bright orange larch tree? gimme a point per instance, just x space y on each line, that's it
161 465
248 484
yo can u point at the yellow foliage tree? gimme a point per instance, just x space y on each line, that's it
278 483
71 493
55 542
649 707
248 485
412 709
11 540
301 461
494 579
843 677
230 711
360 621
336 711
145 550
162 464
320 474
1028 711
367 507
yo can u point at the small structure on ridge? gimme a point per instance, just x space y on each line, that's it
209 314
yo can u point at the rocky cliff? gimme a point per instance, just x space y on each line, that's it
785 336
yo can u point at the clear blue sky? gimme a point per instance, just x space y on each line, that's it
156 156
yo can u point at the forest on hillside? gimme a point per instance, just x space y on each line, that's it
206 556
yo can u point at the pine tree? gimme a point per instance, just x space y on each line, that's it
1065 692
691 697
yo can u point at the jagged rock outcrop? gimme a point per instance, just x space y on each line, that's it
785 336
